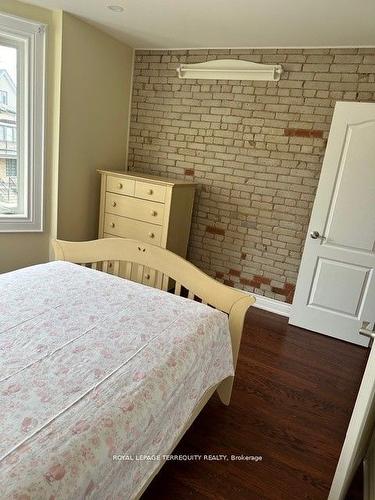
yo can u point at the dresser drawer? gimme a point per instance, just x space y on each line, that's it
134 208
149 191
120 185
134 229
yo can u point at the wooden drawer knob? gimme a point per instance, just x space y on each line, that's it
154 213
110 265
147 276
120 186
151 235
150 191
112 224
114 204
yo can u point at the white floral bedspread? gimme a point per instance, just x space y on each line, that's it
94 366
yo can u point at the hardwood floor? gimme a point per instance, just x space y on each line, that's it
291 404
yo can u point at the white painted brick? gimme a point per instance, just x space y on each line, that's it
255 182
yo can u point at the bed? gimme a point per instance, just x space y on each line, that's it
101 376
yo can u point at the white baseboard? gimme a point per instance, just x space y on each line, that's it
272 305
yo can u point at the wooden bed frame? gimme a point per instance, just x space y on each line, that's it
159 268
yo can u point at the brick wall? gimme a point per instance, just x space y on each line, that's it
254 148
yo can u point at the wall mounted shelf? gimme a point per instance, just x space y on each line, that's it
230 69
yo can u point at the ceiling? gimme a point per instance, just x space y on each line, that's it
229 23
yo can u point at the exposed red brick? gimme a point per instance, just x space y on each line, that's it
215 230
287 291
219 275
256 281
279 291
263 280
301 132
289 298
243 256
245 281
289 286
253 283
316 133
228 283
189 171
234 272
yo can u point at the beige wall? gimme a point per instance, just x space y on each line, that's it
22 249
88 93
254 148
95 90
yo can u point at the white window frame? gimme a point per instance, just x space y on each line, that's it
30 39
3 93
9 134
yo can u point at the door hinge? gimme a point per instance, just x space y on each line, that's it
368 329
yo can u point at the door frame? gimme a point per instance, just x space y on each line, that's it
358 437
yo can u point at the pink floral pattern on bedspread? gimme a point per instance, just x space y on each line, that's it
94 366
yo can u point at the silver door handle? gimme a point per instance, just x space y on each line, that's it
315 235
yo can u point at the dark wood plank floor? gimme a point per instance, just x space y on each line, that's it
292 401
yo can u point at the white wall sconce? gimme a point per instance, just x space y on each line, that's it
230 69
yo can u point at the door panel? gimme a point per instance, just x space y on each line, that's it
331 276
351 217
335 289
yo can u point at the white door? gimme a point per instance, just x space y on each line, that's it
335 289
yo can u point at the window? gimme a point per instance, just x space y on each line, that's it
22 82
11 167
9 134
3 97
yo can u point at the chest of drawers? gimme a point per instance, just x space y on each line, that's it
152 209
